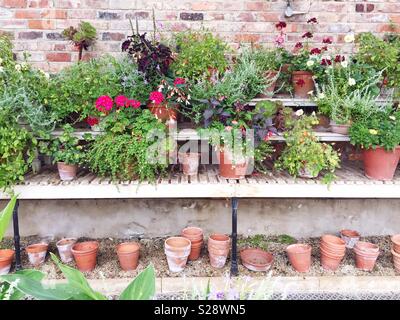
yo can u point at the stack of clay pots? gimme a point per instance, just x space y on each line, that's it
396 251
177 250
218 249
299 256
333 250
195 235
85 255
365 254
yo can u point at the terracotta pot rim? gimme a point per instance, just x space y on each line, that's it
225 237
126 248
366 246
395 239
185 243
188 229
299 248
85 251
395 254
37 247
268 256
67 164
6 255
333 240
67 240
302 72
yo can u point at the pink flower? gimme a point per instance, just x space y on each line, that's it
228 128
280 25
280 40
315 51
104 103
298 45
121 101
92 121
133 103
327 40
234 122
156 97
179 81
312 21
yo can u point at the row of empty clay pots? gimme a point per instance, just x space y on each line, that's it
396 251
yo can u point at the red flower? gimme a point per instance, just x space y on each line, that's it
339 58
121 101
268 136
133 103
298 45
300 82
92 121
156 97
179 81
104 103
280 25
312 20
308 34
324 48
327 40
326 62
315 51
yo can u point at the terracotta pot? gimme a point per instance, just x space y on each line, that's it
219 241
256 259
299 256
231 169
396 260
67 172
303 83
333 242
380 164
330 261
195 251
350 237
37 253
190 163
128 255
85 255
340 128
64 247
163 112
396 243
177 250
6 259
218 249
195 235
366 255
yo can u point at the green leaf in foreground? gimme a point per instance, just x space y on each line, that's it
143 287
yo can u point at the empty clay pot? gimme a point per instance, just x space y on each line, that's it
218 249
330 261
333 243
396 243
303 84
396 260
350 237
64 247
380 164
67 172
37 253
256 259
6 259
177 250
128 255
195 235
190 163
85 255
299 256
231 169
365 255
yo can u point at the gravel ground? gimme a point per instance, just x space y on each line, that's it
152 251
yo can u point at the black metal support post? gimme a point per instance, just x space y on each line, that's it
234 262
17 246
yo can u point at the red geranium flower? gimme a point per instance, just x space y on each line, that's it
339 58
298 45
92 121
133 103
300 82
315 51
326 62
312 20
104 103
308 34
156 97
280 25
179 81
121 101
324 48
327 40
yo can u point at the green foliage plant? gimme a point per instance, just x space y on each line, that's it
82 37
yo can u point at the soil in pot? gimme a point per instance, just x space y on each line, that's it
256 259
303 83
299 256
177 250
85 255
6 258
128 255
230 168
163 112
396 243
380 164
350 237
67 172
64 247
190 163
37 253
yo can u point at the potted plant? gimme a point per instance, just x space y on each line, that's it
66 151
82 37
379 138
6 255
304 155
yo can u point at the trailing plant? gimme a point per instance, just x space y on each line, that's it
304 153
381 129
82 37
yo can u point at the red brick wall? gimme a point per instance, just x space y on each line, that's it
35 25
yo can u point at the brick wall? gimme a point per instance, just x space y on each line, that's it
35 25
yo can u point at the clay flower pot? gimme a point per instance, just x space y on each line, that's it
256 259
64 247
85 255
303 83
230 168
365 255
195 235
190 163
37 253
6 259
380 164
162 111
396 260
340 128
299 256
128 255
350 237
177 250
396 243
332 251
330 261
67 172
218 249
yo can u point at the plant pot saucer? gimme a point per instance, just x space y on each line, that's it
256 259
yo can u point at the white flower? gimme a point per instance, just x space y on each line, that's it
310 92
1 69
352 82
18 67
392 118
313 113
310 63
24 65
1 60
299 112
321 95
344 64
348 38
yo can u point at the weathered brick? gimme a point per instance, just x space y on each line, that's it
106 15
112 36
60 47
245 16
191 16
41 24
370 7
54 14
204 6
38 4
359 7
82 14
54 36
12 24
58 57
256 6
139 15
15 3
248 38
27 14
30 35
